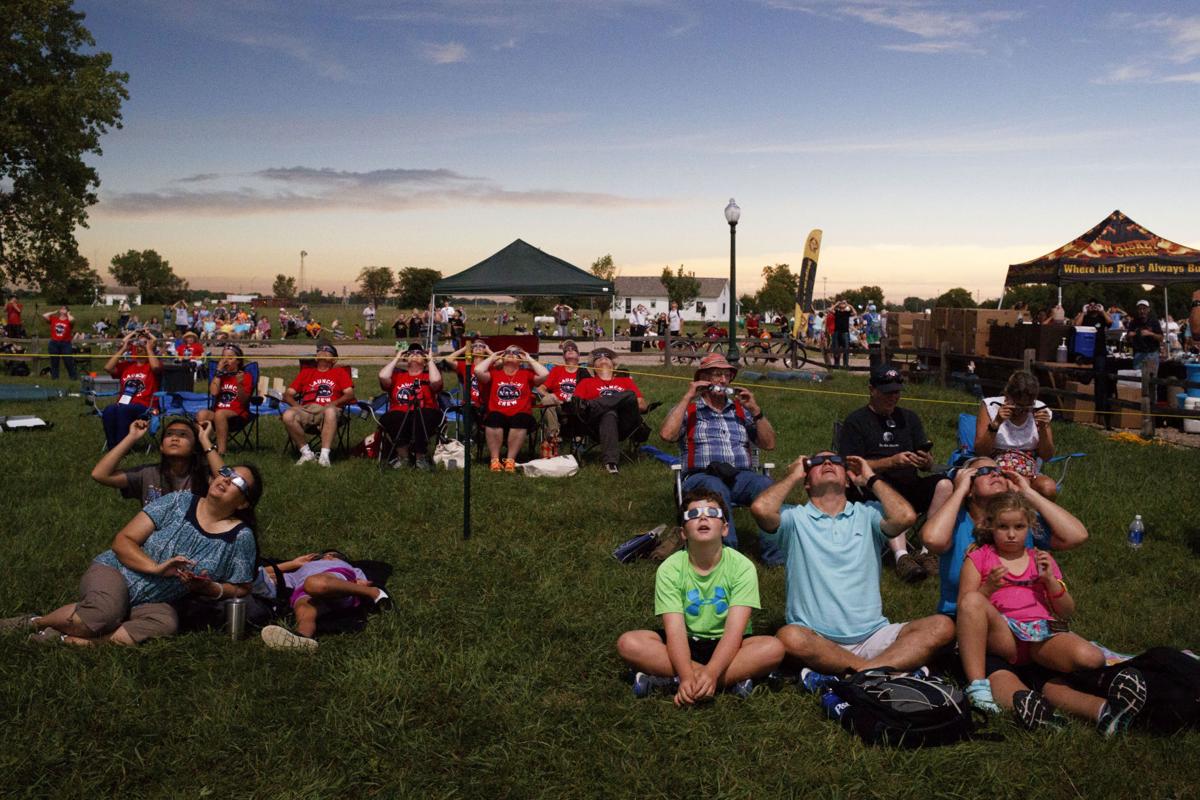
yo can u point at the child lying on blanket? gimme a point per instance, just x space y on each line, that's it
319 583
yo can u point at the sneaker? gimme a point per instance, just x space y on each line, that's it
611 469
921 672
383 602
1031 709
17 624
510 465
324 461
980 694
645 684
1126 698
741 689
495 467
815 682
783 676
929 562
280 638
48 636
422 464
908 570
306 457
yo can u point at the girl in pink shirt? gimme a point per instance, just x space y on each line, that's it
1013 603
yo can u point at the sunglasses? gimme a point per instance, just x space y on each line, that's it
236 480
836 460
979 473
703 511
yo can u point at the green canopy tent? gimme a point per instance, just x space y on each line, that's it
521 270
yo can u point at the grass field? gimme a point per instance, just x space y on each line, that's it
496 675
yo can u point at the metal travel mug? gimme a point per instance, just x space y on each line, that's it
235 617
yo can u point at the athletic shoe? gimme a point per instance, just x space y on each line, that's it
16 624
495 467
980 694
920 672
306 457
645 684
928 561
279 638
611 469
48 636
908 570
1032 710
324 461
422 464
815 682
383 602
510 465
741 689
1126 698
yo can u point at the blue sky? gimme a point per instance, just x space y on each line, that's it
933 142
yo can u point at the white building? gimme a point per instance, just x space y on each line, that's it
648 290
240 298
113 295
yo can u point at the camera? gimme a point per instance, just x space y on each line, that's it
725 391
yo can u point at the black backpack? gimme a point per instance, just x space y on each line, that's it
887 707
1172 688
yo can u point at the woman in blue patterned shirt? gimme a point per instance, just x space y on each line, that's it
176 545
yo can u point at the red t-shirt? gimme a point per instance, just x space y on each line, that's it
461 368
563 382
14 313
511 394
405 396
60 329
752 324
314 386
190 350
230 387
594 387
138 382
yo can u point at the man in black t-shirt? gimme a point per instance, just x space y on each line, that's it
1144 334
842 312
893 441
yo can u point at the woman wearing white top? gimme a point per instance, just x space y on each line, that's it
1014 429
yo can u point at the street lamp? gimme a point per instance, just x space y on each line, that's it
732 215
303 253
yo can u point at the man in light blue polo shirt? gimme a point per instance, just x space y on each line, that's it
834 613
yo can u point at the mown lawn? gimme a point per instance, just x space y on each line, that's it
496 675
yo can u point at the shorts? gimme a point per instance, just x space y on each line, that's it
103 606
299 594
1022 462
495 419
701 649
876 643
311 415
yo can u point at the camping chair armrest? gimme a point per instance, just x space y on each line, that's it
677 475
1065 458
766 468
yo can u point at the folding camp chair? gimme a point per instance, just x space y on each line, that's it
378 407
341 437
966 450
240 439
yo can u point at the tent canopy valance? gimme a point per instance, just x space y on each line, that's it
521 270
1118 250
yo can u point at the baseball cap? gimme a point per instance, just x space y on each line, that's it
886 378
1145 303
415 347
568 344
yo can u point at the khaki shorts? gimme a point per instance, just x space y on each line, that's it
311 415
103 607
877 642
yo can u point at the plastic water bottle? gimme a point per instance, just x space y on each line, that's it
1136 532
834 706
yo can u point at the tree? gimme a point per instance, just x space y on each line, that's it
535 304
56 101
150 273
916 304
284 287
376 283
778 292
682 287
748 304
957 297
604 269
862 296
415 286
70 279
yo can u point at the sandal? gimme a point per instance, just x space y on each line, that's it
510 465
495 467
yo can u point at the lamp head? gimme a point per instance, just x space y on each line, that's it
732 212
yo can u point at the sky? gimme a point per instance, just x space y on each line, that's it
934 142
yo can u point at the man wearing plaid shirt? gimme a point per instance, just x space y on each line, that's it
717 426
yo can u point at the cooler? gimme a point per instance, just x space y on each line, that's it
1084 341
1193 376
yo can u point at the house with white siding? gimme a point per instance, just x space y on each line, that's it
648 290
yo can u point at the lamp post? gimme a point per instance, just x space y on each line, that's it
303 253
732 215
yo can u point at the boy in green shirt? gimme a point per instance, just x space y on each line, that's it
704 595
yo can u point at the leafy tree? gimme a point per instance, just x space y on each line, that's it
376 283
56 101
955 298
70 279
862 296
535 304
415 286
603 268
284 287
916 304
748 303
682 287
150 273
778 292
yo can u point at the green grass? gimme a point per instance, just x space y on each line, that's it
496 675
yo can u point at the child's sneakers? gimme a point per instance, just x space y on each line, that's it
645 684
280 638
1126 698
816 682
742 689
980 694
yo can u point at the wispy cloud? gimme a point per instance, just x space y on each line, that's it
942 27
296 48
444 52
294 189
1169 42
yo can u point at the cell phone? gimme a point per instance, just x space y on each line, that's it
926 446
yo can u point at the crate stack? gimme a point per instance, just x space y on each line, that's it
901 329
967 331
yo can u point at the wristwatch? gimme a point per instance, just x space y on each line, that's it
871 480
756 417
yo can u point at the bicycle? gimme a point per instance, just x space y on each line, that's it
768 351
684 351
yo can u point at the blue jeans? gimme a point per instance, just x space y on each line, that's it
117 418
62 349
841 344
747 486
1152 358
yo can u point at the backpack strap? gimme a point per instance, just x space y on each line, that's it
691 436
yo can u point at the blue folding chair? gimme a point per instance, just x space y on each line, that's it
241 437
966 450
